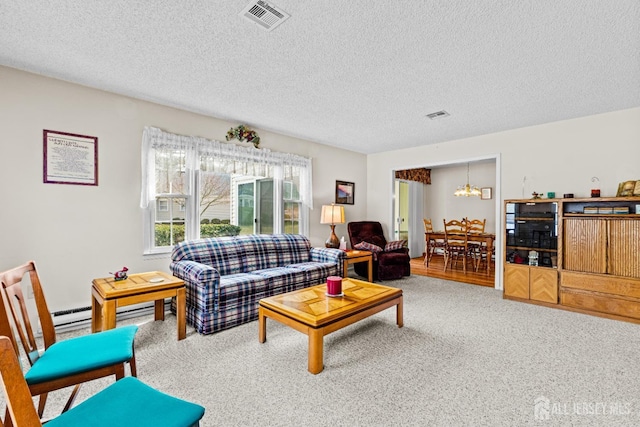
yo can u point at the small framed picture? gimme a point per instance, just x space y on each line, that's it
345 192
485 193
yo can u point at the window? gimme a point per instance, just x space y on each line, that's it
193 187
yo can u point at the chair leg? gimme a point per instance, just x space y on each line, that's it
72 398
42 400
132 365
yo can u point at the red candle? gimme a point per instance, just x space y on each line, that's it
334 285
595 192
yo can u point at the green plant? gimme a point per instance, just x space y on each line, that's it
163 232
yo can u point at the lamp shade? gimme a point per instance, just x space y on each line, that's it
332 214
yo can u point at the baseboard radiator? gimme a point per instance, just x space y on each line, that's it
77 318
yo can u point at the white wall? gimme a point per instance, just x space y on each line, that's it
560 156
441 204
78 233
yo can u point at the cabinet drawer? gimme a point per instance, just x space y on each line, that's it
601 283
600 303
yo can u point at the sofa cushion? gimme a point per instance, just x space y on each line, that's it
260 252
281 279
223 253
292 248
240 289
314 272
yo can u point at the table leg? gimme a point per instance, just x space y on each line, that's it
427 249
109 315
370 266
345 267
399 314
181 313
262 325
489 253
158 309
96 315
315 350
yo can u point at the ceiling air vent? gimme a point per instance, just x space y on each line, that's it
437 115
266 15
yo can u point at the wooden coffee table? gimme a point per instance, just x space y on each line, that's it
108 294
315 314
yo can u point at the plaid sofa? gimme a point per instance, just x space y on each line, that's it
225 277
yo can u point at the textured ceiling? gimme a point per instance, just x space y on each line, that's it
361 75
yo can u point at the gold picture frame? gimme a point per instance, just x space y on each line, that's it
628 188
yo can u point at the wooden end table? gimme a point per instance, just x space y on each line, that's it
315 314
352 257
108 294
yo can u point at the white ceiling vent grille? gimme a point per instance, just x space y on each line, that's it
437 115
266 15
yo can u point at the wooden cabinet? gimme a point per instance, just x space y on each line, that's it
531 250
592 246
534 283
601 258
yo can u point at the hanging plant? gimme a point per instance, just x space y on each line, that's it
242 133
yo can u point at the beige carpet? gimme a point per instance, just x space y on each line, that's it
464 357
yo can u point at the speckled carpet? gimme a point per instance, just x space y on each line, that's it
464 357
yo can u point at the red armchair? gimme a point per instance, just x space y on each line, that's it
390 260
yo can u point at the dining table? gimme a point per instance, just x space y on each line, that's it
486 238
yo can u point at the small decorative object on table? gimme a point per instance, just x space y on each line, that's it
334 286
120 275
536 195
242 133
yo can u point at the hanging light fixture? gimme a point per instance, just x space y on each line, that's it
467 190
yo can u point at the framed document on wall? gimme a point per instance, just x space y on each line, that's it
70 158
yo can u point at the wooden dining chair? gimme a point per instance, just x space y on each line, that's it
456 243
127 402
478 249
432 245
64 363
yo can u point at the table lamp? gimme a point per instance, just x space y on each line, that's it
332 214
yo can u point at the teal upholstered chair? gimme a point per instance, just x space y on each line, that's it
66 363
127 402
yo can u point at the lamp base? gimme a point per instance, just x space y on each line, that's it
332 241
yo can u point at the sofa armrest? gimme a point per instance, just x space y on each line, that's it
327 255
196 273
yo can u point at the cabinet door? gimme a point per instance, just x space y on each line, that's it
585 245
543 284
624 247
516 281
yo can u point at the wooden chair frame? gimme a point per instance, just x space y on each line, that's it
13 297
456 243
430 247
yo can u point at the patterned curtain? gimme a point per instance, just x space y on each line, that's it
422 175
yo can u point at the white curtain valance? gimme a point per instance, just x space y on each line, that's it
228 158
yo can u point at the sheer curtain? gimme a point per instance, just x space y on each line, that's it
228 158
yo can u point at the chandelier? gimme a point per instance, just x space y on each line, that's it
467 190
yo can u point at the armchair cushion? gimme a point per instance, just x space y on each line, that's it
366 246
395 245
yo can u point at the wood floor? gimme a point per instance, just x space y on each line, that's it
436 269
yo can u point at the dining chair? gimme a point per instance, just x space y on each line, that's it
65 363
127 402
478 249
456 243
432 245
